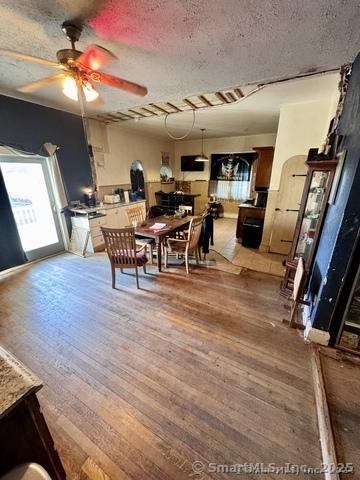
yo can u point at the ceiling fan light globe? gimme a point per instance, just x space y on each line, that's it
89 91
70 88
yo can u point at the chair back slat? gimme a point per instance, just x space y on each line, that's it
194 232
135 214
120 245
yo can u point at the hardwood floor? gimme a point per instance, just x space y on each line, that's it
342 381
141 383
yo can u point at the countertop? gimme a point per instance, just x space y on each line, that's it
249 205
16 382
105 206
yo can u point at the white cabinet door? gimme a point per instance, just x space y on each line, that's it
123 218
112 218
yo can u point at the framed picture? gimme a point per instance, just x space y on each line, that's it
165 158
337 177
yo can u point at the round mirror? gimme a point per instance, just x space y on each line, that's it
137 179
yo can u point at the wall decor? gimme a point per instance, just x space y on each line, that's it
232 166
165 158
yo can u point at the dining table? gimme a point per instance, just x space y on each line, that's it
171 225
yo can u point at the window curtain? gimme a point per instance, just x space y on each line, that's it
11 251
231 190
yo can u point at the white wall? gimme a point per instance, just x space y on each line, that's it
301 126
121 148
217 145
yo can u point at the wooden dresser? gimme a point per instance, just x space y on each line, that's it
24 435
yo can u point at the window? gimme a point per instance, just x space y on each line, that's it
231 190
230 176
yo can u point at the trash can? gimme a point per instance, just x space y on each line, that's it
252 232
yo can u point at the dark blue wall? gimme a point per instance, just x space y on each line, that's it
29 126
341 226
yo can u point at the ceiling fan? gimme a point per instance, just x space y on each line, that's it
79 71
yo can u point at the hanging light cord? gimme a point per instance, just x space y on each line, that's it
186 134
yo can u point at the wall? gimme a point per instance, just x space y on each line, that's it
217 145
340 232
29 126
301 126
122 147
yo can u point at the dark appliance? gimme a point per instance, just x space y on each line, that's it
252 232
188 164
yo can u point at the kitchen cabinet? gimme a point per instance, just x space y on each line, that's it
113 218
264 166
109 216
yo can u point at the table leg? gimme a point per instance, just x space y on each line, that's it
158 247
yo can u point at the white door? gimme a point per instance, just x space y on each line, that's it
32 201
288 203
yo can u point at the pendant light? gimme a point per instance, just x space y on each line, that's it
202 157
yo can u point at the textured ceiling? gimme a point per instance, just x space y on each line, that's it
181 47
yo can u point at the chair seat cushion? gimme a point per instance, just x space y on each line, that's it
141 258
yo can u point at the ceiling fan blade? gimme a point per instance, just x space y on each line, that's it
96 57
30 58
42 83
122 84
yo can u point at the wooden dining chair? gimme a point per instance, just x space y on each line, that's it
135 217
186 246
135 214
121 248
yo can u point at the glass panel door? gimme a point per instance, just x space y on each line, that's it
312 214
32 201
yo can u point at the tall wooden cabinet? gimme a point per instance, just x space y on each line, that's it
310 218
264 166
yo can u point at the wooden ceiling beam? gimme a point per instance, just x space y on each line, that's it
159 108
148 111
137 113
171 105
190 103
231 96
129 117
222 97
239 92
205 100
